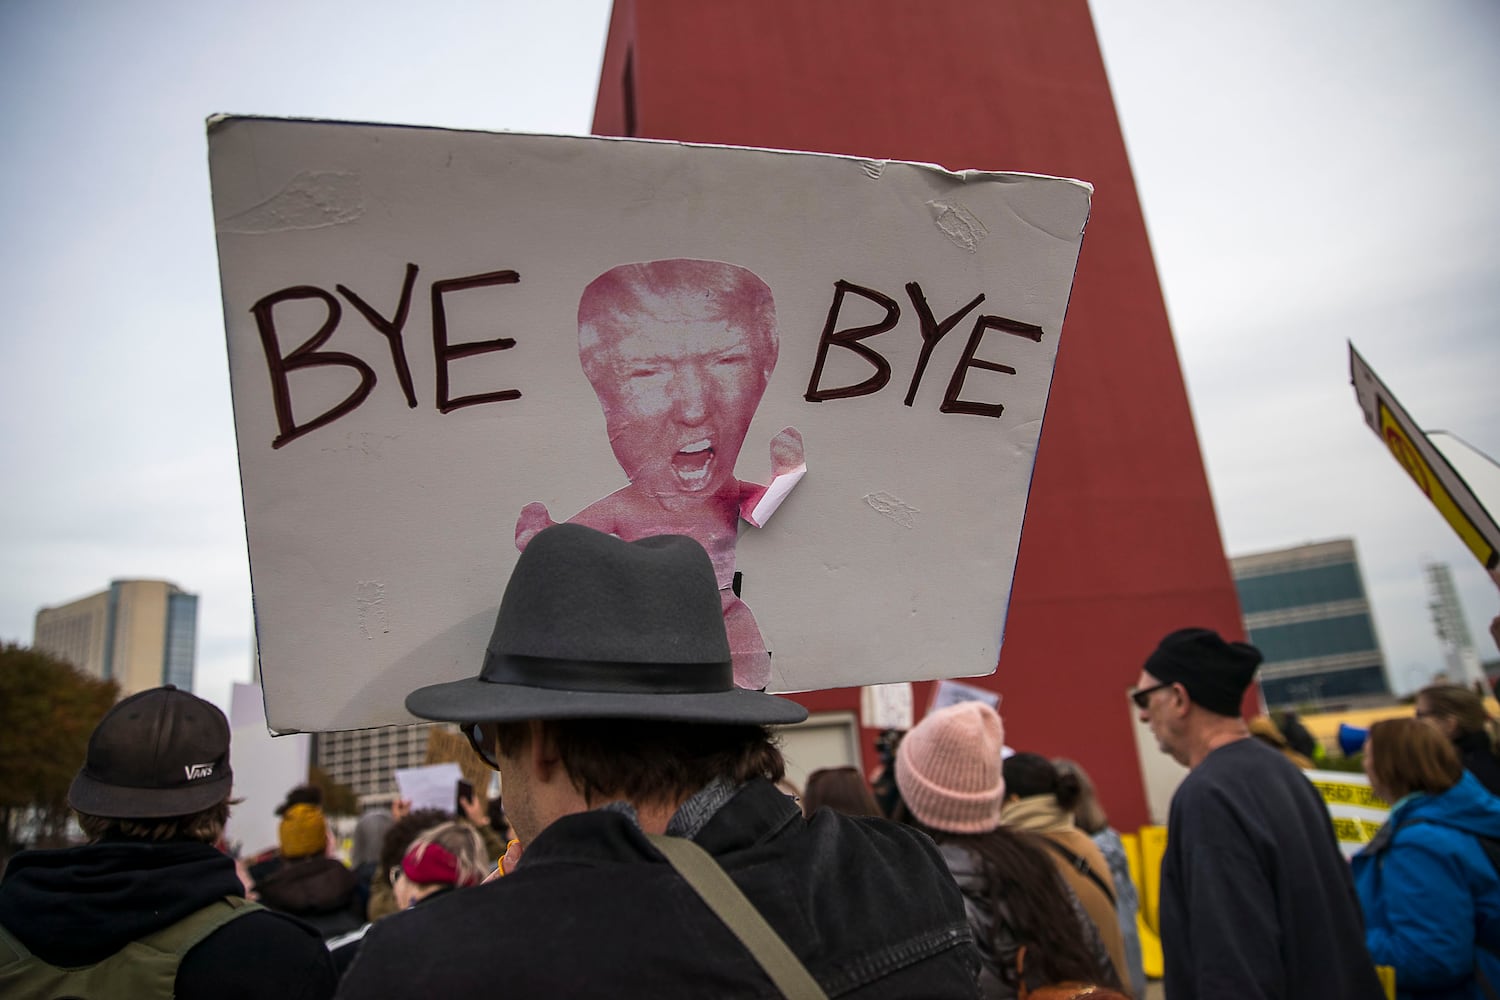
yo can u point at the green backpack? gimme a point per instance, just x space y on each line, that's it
144 968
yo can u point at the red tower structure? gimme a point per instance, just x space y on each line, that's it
1120 543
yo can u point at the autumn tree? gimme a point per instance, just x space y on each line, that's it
48 708
338 799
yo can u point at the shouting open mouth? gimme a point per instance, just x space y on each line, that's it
693 463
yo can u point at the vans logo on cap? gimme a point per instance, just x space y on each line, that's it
199 771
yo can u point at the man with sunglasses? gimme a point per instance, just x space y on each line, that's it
1256 900
607 702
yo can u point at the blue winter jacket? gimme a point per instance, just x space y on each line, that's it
1431 896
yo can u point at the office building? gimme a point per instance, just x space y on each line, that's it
1305 608
366 759
139 633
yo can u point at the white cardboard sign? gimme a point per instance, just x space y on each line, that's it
441 341
430 786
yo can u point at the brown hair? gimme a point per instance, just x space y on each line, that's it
1021 882
647 760
205 826
1028 774
405 830
1456 702
1087 812
1407 755
842 789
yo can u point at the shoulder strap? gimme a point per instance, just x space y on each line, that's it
1081 864
11 948
699 869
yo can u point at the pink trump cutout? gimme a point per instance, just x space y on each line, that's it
679 353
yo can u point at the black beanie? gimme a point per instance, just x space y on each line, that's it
1215 673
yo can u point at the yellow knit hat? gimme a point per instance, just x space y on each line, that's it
303 831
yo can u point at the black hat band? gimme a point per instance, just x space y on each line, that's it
607 677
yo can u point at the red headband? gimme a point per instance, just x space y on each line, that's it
431 863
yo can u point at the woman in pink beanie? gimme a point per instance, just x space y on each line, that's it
948 772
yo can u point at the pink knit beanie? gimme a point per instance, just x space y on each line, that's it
948 769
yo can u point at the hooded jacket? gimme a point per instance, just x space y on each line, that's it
1478 756
78 906
1431 896
319 891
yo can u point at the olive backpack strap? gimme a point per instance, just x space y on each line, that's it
699 869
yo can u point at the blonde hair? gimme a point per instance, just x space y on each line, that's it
1464 707
460 840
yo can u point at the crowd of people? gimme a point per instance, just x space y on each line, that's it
652 846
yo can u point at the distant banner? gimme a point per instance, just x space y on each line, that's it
1428 468
1357 813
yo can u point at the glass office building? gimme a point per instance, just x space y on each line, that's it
139 633
1305 608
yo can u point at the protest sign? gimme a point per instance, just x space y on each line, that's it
1434 475
948 693
886 706
1356 812
440 342
431 786
265 769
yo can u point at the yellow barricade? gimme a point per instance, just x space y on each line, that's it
1144 851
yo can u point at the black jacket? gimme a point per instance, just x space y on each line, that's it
593 910
1479 759
78 906
319 891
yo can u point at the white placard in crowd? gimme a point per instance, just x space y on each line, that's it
948 693
265 769
887 706
442 341
431 786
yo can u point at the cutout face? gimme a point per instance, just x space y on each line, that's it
678 395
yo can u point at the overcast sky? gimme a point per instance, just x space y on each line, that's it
1311 174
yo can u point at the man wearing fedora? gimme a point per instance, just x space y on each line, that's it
607 701
1257 903
150 908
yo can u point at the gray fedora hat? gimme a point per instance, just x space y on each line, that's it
592 626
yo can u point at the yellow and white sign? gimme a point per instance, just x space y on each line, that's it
1356 812
1432 473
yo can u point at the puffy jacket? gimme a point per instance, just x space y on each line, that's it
1431 895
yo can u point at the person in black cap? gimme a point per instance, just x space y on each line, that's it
150 908
1257 903
607 701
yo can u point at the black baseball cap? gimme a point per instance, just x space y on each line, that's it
159 753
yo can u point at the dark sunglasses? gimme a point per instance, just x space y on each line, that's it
1142 697
482 739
